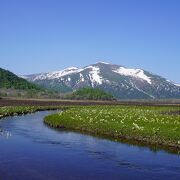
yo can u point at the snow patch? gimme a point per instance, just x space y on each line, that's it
94 75
40 77
173 83
22 76
81 78
102 62
56 74
134 85
177 84
137 73
168 81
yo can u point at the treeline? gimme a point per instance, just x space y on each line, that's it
90 94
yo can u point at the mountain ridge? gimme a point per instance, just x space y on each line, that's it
122 82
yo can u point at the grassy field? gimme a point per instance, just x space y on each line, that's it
150 125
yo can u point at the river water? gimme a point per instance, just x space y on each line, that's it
31 150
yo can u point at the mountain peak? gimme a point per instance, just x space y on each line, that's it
71 68
121 81
102 62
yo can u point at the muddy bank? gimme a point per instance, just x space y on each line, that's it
50 102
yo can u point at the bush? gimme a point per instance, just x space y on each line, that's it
90 94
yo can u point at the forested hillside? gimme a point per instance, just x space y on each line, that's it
10 80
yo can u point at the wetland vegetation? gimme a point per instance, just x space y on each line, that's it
150 125
20 110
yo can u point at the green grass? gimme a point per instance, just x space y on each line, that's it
88 93
18 110
151 125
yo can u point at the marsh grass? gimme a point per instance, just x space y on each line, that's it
152 125
20 110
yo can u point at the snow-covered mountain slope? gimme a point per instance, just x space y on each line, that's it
52 75
177 84
118 80
137 73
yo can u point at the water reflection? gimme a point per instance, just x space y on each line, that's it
5 134
39 152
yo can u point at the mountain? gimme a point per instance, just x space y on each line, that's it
118 80
12 85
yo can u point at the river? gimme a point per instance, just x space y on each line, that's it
31 150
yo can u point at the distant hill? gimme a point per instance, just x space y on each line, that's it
90 94
12 85
122 82
10 80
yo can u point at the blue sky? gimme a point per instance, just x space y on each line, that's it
45 35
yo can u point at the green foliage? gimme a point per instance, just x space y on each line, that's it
19 110
153 125
3 94
14 86
90 94
10 80
15 110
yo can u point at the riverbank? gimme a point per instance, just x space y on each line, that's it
148 125
20 110
34 150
